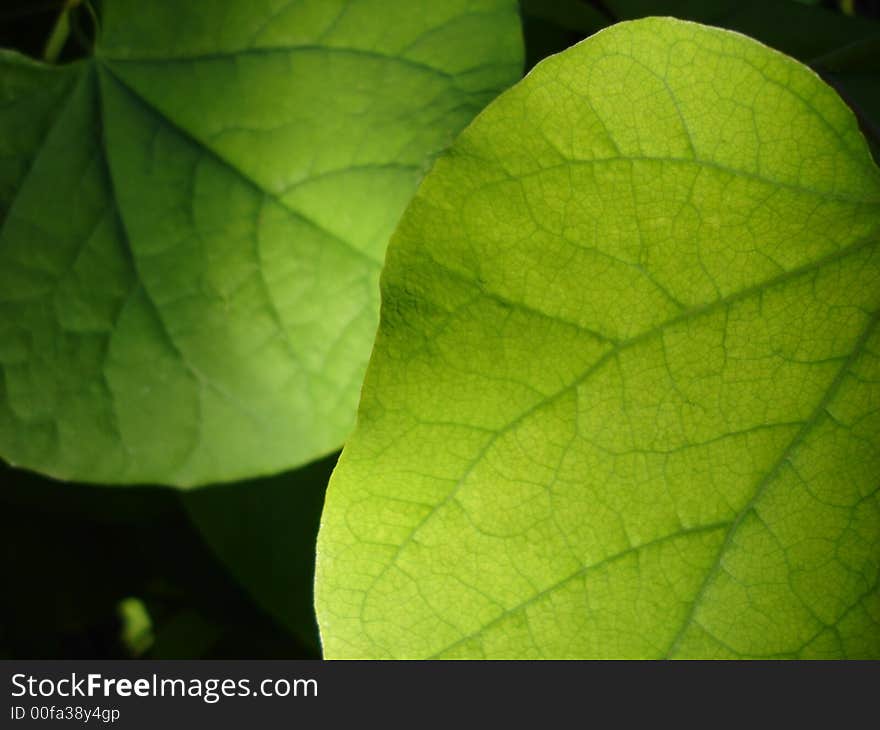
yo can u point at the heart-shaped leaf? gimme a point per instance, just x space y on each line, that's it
625 395
192 223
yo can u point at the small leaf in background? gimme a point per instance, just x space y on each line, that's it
137 626
625 396
193 219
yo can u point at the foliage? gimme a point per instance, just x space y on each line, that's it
622 402
624 396
199 303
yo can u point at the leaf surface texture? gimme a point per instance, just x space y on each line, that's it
193 220
625 395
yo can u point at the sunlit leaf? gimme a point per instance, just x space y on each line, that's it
625 395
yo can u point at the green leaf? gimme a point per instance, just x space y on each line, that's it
625 395
192 223
841 48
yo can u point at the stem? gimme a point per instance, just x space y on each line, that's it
60 32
